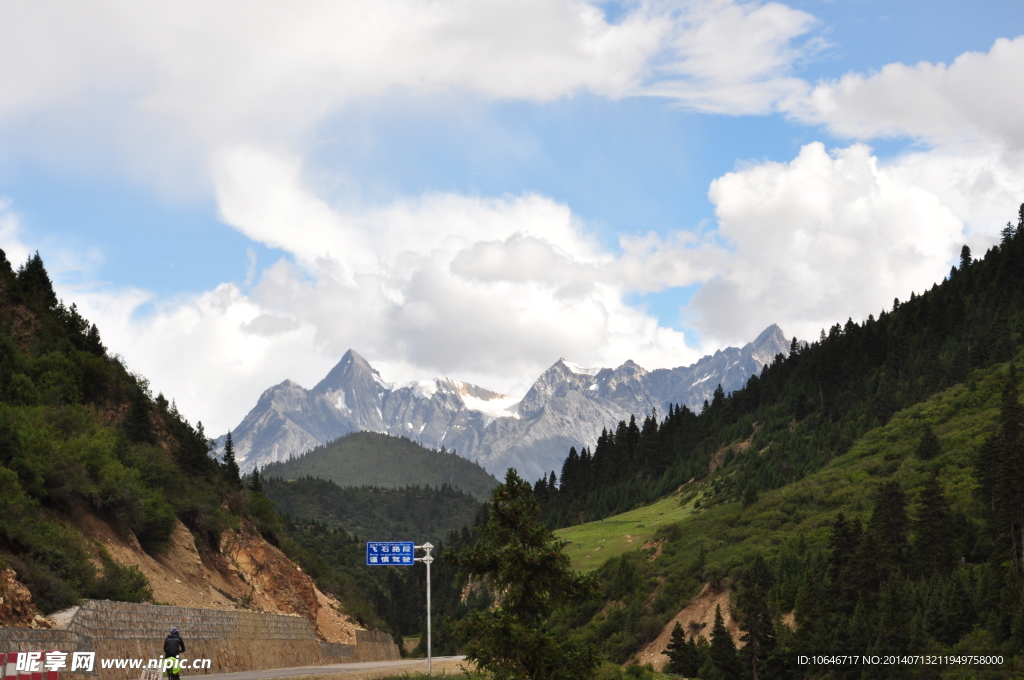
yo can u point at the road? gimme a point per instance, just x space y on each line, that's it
398 665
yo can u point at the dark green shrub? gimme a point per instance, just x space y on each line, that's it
120 583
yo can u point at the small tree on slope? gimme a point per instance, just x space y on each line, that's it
520 560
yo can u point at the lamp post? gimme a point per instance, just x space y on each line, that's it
427 559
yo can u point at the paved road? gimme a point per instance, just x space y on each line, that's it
339 668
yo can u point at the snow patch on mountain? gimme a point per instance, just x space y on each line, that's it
502 407
580 370
568 405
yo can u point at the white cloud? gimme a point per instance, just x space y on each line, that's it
821 238
735 58
160 85
973 101
202 351
490 290
10 226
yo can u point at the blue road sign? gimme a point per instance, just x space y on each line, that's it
390 553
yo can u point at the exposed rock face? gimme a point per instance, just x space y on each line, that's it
16 607
248 573
697 619
567 406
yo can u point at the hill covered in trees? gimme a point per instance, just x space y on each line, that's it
78 430
807 409
386 461
412 513
84 444
867 490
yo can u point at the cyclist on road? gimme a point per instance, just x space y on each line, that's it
173 646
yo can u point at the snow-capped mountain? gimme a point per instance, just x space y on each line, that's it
567 406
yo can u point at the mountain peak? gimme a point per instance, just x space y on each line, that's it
351 365
773 332
568 405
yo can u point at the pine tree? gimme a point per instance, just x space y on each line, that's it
1009 487
255 483
35 283
137 424
93 343
517 556
682 654
929 447
756 617
230 467
718 398
723 649
933 535
892 633
844 543
965 258
889 523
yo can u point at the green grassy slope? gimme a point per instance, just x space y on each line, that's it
372 459
716 538
594 543
961 416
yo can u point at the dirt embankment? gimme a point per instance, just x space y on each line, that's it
16 607
247 573
697 619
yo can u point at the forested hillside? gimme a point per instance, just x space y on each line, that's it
863 496
411 513
78 431
804 410
375 459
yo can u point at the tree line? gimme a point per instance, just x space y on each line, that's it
804 410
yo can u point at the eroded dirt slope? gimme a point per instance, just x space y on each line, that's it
697 618
247 573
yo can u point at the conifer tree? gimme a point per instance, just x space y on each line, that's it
965 258
756 617
230 466
723 650
889 523
933 535
255 483
893 620
517 556
718 398
35 283
929 447
679 653
137 424
93 343
1009 481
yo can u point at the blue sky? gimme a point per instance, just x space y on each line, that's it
237 194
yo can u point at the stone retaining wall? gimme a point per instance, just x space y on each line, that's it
233 640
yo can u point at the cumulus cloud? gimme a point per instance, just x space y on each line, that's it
821 238
492 290
164 85
489 290
203 351
14 250
971 102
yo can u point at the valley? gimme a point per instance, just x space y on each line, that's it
859 492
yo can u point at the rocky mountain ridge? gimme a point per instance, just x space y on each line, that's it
568 405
